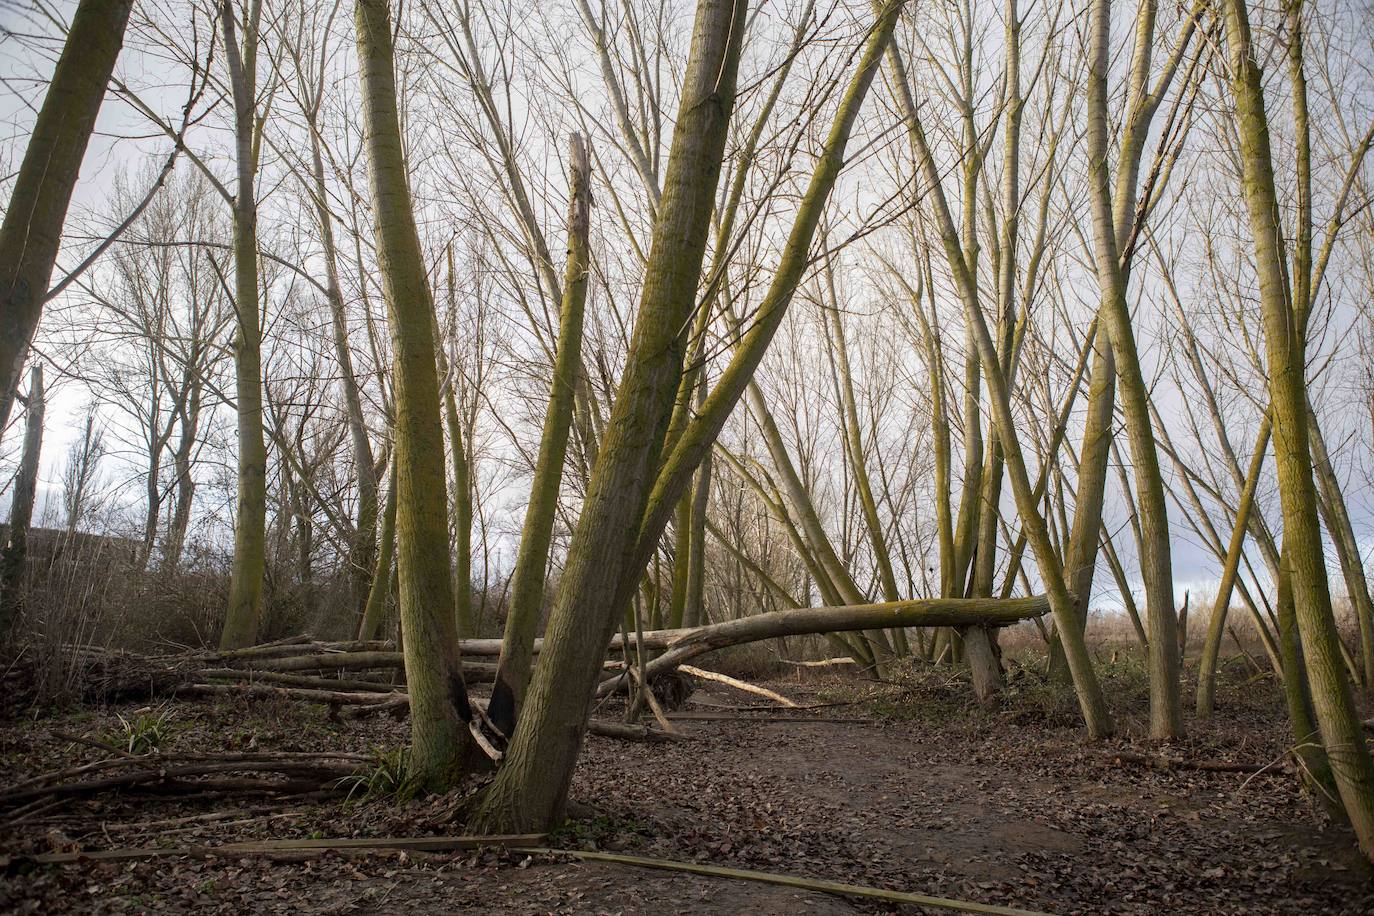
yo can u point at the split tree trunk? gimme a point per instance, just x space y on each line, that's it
532 785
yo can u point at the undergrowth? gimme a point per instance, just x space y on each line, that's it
389 776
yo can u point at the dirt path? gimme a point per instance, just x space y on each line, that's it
973 807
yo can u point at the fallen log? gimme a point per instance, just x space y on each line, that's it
300 665
808 884
820 663
737 684
287 679
309 694
930 612
1160 762
277 847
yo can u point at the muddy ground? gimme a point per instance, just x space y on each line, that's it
903 785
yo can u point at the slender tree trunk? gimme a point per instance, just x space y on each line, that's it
31 232
682 560
1166 711
374 612
21 504
1080 562
244 614
364 547
185 482
1211 648
1337 516
532 561
441 747
694 611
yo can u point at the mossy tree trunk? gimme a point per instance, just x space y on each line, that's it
244 613
531 787
440 712
531 563
1285 347
31 233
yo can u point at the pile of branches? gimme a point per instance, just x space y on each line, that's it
253 772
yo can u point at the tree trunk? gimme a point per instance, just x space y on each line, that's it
1284 341
1080 563
532 785
181 463
364 547
531 563
374 612
21 504
32 229
440 743
1166 711
244 614
1337 516
1211 648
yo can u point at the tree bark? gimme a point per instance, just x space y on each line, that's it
244 613
440 711
531 563
31 232
21 504
532 785
1332 701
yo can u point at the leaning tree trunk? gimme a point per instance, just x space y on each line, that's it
32 229
531 564
1211 647
21 504
250 520
532 785
362 552
1333 704
440 743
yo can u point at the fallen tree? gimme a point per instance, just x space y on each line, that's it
311 670
929 612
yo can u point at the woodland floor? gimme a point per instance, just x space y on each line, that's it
905 786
